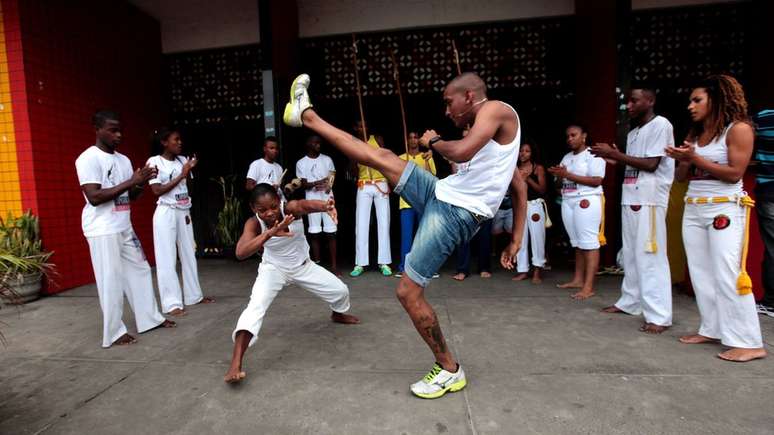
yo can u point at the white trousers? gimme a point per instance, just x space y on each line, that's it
581 216
173 237
367 195
535 234
120 268
647 284
714 251
271 280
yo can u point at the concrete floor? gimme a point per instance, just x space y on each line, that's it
537 362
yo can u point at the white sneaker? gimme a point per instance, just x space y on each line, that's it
436 383
299 101
763 309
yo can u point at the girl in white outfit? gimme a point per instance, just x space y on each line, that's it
714 158
535 233
172 225
581 175
275 231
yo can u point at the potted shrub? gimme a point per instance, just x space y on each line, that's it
23 262
227 230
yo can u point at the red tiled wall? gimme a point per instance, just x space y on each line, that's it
79 56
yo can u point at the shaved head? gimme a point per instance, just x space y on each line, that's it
468 82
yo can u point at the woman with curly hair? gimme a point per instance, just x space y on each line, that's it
714 158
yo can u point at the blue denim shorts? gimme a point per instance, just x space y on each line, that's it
442 227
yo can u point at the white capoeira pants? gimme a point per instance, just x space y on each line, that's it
367 195
714 251
581 216
535 234
271 280
321 222
120 268
173 237
647 283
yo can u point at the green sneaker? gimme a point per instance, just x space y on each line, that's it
438 382
299 101
357 271
386 271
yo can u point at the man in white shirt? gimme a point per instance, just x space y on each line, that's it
317 172
266 169
120 268
647 285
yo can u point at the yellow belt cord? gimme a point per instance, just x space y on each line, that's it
743 281
602 238
548 223
652 245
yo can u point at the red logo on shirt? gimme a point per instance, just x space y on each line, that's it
635 207
585 203
721 222
535 217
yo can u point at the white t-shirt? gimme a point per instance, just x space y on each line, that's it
479 184
313 170
586 165
95 166
649 188
262 171
168 170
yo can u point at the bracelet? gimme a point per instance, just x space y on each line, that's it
432 141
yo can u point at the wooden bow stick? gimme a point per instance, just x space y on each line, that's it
396 76
456 58
357 84
457 62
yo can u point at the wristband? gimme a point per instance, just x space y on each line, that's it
432 141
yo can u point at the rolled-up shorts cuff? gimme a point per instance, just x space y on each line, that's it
415 276
407 171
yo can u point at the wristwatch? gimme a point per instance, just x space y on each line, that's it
432 141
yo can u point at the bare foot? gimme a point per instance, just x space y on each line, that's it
613 309
124 340
485 274
177 312
165 324
206 300
583 295
651 328
571 284
234 375
519 277
737 354
536 279
697 339
459 276
346 319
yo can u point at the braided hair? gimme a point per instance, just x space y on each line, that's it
727 104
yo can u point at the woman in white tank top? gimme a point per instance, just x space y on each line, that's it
714 159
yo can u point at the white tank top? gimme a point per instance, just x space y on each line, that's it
479 185
286 253
704 184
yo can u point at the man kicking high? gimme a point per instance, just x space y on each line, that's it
452 209
275 231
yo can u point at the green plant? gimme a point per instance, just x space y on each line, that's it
227 228
21 251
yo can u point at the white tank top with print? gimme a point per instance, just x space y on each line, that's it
286 253
704 184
